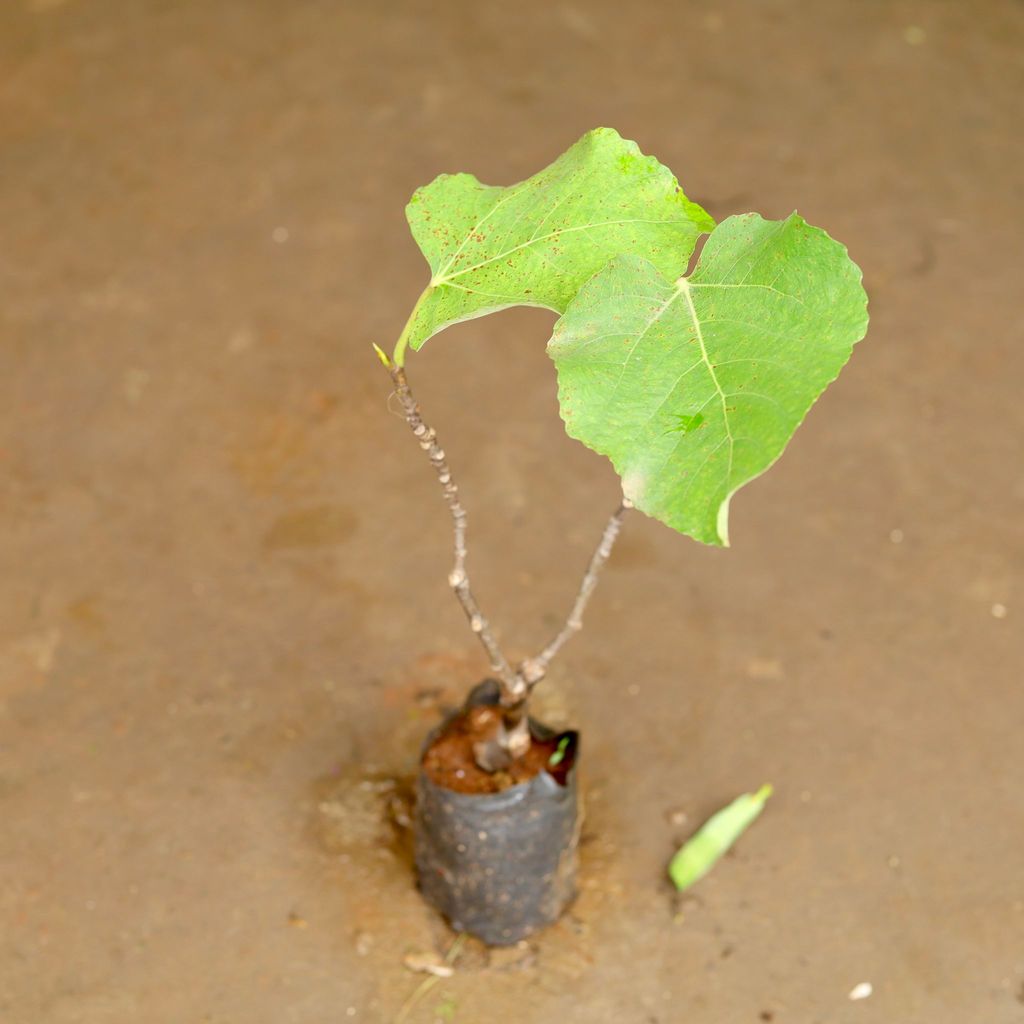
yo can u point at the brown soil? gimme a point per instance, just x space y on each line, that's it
449 762
223 560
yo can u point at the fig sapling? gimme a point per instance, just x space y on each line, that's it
690 383
692 386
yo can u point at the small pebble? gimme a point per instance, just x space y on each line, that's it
999 611
861 991
518 956
428 963
896 536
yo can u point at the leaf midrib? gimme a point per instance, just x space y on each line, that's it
446 278
683 286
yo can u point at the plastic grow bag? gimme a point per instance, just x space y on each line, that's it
500 865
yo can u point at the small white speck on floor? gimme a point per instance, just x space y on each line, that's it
133 384
894 861
350 1011
279 235
633 689
861 991
999 611
240 341
765 668
896 536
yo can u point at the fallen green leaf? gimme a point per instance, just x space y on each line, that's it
699 855
535 243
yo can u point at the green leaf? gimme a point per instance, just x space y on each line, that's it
694 387
535 243
699 855
558 754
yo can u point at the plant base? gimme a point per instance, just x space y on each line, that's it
500 865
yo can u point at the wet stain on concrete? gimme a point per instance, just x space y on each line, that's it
317 527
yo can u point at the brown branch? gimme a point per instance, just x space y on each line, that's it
514 687
514 736
533 670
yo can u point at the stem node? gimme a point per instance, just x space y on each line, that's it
458 578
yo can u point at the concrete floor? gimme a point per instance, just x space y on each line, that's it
223 561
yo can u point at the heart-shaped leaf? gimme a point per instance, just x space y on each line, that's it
535 243
694 387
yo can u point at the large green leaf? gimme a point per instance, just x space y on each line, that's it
694 387
535 243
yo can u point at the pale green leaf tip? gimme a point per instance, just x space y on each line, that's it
722 522
382 356
764 792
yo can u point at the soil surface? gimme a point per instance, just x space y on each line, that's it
225 625
449 761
